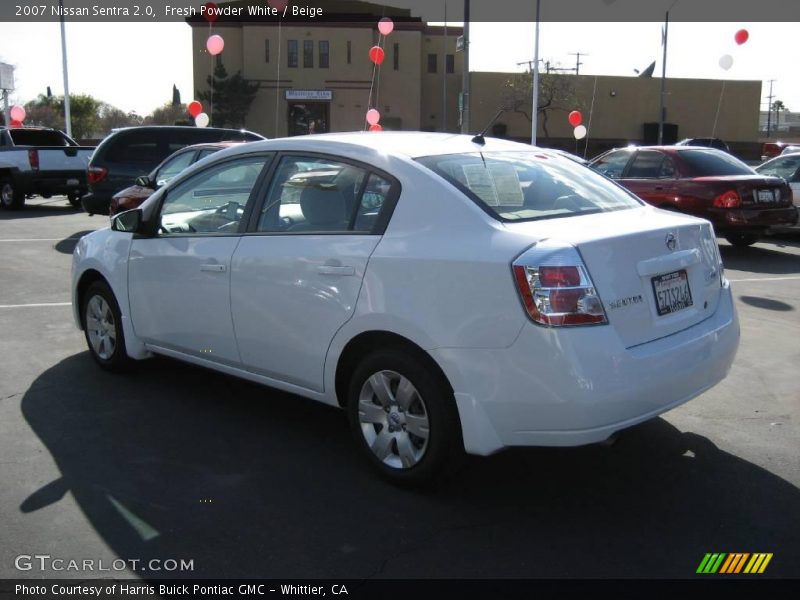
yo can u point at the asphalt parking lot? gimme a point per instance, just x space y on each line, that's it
174 462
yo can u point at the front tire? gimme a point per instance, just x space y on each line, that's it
742 240
102 327
10 197
403 416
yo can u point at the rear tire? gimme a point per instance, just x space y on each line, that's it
403 416
10 197
742 240
102 327
74 200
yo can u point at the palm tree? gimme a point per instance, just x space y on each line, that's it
778 106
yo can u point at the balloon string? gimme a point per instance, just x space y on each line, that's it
589 124
211 92
278 82
371 88
381 40
719 104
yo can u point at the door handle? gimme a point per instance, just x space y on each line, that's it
334 270
214 268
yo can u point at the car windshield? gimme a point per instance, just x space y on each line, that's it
525 186
781 167
708 163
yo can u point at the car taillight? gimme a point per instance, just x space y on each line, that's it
729 199
33 159
555 286
97 174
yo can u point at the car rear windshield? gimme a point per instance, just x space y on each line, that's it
708 163
526 186
38 137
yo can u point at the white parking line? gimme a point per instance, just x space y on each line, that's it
35 305
40 239
788 278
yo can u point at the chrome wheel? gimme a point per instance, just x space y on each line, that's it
393 419
7 194
101 327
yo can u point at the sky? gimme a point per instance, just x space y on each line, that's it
133 66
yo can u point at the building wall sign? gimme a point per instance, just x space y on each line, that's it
309 94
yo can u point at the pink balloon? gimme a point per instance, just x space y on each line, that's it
215 44
375 127
741 36
17 113
373 116
386 26
278 4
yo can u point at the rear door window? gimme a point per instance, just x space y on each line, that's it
646 165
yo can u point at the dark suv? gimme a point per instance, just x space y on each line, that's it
128 153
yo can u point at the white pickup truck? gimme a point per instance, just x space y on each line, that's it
40 161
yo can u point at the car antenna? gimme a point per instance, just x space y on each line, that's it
478 139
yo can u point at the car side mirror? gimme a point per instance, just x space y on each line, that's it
144 181
129 221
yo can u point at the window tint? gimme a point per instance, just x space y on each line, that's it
324 54
782 167
308 54
34 137
704 163
349 51
612 164
432 64
523 186
450 63
396 56
174 166
266 50
646 165
667 169
311 194
291 54
212 201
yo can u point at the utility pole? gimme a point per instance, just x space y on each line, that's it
444 71
578 62
663 81
535 90
769 107
465 76
67 117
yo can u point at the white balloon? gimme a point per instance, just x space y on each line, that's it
579 132
726 61
201 120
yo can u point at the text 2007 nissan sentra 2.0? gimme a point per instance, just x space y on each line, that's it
451 293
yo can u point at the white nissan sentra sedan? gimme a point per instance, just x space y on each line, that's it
451 293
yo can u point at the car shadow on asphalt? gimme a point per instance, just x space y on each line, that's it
67 245
47 208
173 461
755 259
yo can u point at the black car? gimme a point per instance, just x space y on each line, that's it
705 142
128 153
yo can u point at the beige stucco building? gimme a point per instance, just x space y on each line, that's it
315 75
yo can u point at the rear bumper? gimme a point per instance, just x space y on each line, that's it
752 218
95 205
575 386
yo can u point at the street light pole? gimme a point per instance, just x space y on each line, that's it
535 85
663 82
465 75
67 117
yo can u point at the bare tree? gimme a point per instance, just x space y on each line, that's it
556 93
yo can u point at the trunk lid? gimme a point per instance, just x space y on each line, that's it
656 272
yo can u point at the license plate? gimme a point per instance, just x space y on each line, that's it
766 196
672 292
72 182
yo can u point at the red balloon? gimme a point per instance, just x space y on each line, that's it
741 36
15 124
278 5
194 108
575 118
376 127
210 12
376 54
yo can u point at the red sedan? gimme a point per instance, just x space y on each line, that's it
706 183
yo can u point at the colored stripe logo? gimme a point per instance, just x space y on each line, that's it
734 563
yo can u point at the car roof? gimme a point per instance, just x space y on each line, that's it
411 144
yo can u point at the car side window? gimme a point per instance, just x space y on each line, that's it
212 201
612 164
173 167
667 169
784 167
311 194
375 195
646 165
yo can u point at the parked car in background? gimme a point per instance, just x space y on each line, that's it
705 143
790 149
145 185
772 149
449 294
133 151
788 168
703 182
38 160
